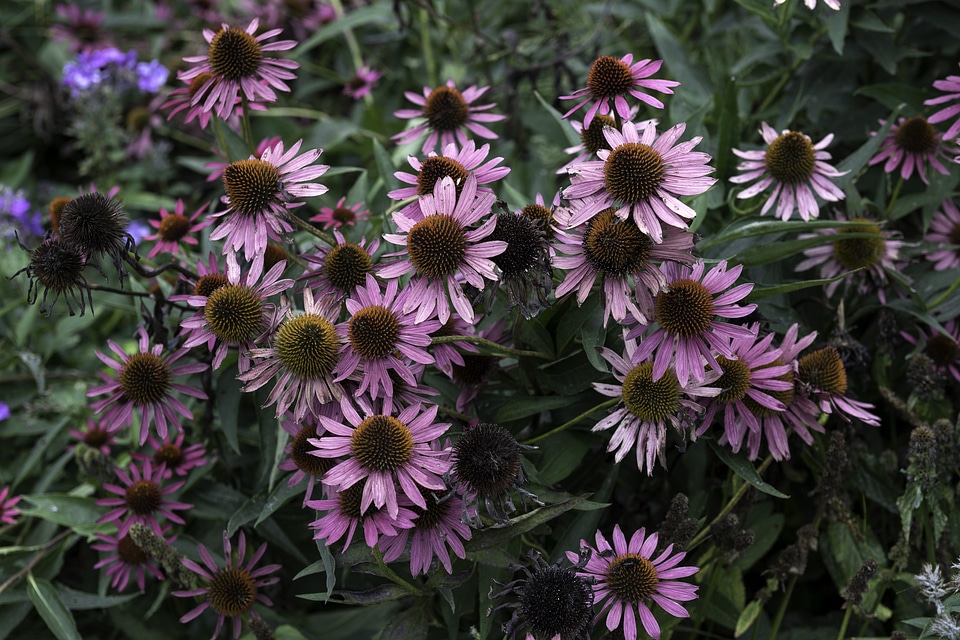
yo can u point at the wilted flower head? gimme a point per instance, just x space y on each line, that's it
58 268
552 602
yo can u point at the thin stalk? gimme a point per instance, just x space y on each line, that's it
428 58
893 199
489 344
221 140
35 559
942 297
245 124
312 230
567 425
727 508
704 603
389 573
843 625
783 608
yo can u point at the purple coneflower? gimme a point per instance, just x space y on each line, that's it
873 255
442 246
145 381
304 354
233 590
453 163
610 78
260 191
385 451
823 374
173 457
174 228
448 114
647 406
343 516
217 167
795 168
435 528
687 315
343 267
95 436
233 314
951 86
627 578
945 230
622 257
8 509
142 499
341 215
126 559
641 175
236 63
361 84
380 337
755 375
913 143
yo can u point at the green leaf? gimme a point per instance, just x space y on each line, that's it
385 166
47 601
747 617
78 513
376 595
286 632
908 503
246 513
408 625
777 251
893 94
764 291
280 495
561 454
836 22
744 468
502 533
857 160
729 120
675 57
573 138
80 600
355 18
843 554
530 406
228 401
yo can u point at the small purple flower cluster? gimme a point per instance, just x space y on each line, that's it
93 68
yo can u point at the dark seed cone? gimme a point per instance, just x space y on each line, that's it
525 268
97 226
548 602
58 268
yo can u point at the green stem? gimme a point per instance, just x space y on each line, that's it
946 294
427 48
493 346
222 141
928 533
703 604
727 508
567 425
312 230
893 198
783 608
349 37
843 625
245 124
389 573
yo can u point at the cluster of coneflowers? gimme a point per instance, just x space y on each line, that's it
343 348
